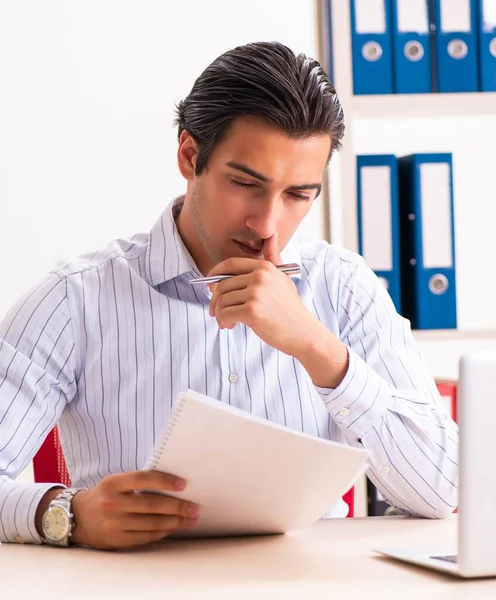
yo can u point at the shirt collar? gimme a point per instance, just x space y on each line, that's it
167 254
168 257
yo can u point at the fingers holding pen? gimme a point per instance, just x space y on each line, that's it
229 292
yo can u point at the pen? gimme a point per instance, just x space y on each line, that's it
289 268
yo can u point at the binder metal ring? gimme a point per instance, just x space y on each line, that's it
492 47
457 49
384 282
438 284
372 51
413 51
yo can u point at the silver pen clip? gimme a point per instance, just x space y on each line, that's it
289 268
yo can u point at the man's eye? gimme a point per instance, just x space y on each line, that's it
242 184
300 197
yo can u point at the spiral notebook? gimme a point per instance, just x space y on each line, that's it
250 476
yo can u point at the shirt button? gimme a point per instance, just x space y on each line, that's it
233 378
386 469
344 412
19 539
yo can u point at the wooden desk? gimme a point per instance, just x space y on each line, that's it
332 559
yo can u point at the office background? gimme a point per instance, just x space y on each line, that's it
87 146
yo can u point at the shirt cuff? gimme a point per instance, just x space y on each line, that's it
21 500
360 399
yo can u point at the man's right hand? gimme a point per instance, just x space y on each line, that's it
114 515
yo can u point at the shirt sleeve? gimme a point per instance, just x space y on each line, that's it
37 378
388 402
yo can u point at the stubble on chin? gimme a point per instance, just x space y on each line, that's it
213 253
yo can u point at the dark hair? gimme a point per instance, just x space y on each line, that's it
290 91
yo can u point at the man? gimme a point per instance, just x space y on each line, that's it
103 345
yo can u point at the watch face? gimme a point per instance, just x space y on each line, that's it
56 524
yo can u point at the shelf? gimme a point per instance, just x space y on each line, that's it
433 335
422 105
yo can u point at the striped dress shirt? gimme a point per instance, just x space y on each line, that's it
103 345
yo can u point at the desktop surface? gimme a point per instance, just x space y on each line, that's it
331 559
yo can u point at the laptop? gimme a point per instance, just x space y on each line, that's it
476 410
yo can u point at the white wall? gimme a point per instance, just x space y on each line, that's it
87 94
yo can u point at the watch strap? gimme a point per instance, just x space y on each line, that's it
64 500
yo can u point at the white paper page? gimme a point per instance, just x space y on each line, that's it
489 14
251 476
370 16
377 239
412 16
455 16
436 215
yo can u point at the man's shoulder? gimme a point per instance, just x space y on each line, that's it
118 253
323 255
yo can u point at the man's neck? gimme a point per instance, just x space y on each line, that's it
190 239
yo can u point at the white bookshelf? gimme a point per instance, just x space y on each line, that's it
423 105
454 334
390 111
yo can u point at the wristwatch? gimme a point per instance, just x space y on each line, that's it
58 520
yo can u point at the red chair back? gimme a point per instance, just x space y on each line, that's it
49 463
349 498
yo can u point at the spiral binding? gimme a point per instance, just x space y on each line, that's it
166 433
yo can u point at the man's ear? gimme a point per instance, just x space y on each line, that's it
186 155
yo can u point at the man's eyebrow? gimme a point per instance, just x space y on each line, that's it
260 177
307 186
248 171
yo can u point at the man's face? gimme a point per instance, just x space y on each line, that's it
258 182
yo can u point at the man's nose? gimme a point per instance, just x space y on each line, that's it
264 218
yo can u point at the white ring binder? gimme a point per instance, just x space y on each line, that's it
372 51
457 49
413 51
492 47
438 284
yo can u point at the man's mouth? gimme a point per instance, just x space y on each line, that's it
250 249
